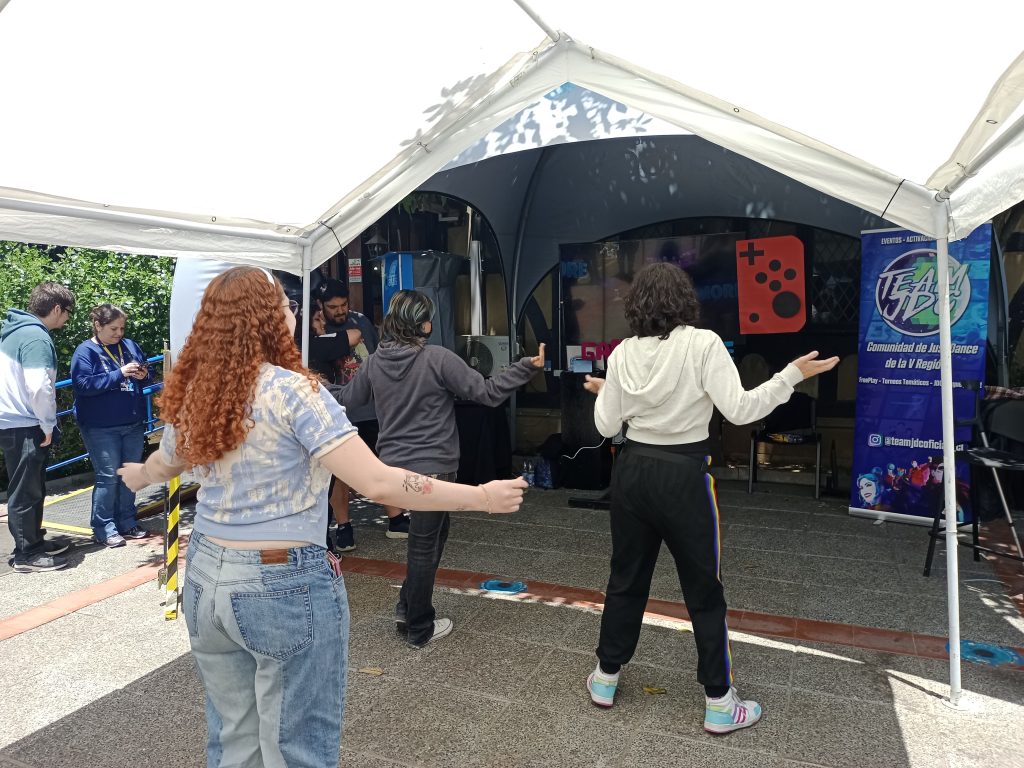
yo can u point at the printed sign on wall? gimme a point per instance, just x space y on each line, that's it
897 457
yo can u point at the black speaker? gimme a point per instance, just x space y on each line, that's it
586 458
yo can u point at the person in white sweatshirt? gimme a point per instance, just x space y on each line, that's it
664 382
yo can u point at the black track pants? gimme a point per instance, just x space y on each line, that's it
659 496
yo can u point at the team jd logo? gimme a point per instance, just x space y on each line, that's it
907 293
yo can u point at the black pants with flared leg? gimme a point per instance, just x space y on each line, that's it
664 493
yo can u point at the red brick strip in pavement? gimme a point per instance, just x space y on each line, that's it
82 598
766 624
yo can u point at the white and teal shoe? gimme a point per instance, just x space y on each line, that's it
729 713
602 687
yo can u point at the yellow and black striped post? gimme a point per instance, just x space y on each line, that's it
171 548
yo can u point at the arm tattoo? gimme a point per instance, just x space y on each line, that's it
418 484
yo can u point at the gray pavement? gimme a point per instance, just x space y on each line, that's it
113 684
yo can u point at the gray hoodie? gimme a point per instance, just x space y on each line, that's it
414 389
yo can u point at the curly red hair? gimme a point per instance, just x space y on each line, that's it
207 395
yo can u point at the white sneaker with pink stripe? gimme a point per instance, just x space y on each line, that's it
729 713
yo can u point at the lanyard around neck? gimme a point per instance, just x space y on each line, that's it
120 353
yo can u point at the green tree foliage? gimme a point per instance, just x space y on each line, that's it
140 285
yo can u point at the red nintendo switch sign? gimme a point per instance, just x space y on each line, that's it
770 283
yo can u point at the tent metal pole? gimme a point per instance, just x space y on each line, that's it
982 159
517 254
548 30
949 467
137 219
307 258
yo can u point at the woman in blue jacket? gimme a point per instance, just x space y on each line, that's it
108 373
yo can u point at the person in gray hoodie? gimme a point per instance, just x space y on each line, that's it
664 383
28 418
414 386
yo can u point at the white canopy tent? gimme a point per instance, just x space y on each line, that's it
228 130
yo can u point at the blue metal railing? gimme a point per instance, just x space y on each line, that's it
150 420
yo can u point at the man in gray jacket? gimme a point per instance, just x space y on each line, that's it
28 418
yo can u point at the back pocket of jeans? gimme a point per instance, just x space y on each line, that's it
275 624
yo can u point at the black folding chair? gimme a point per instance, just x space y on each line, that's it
999 419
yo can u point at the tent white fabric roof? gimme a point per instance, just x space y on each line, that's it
245 131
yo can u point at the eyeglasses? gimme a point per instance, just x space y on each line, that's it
293 306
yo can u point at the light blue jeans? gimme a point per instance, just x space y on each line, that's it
113 502
271 643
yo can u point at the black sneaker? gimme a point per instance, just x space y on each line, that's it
55 547
344 538
398 527
40 562
136 533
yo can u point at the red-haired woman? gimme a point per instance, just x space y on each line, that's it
264 601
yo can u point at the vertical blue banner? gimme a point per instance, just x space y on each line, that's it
897 454
397 275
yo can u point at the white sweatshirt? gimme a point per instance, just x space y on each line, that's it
666 390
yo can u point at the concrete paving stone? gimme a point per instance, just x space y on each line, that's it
680 710
586 571
781 598
85 570
572 519
866 608
852 672
11 605
706 752
840 731
472 529
737 562
757 660
540 623
374 545
914 580
176 681
370 596
870 549
764 501
665 583
552 539
583 520
553 739
492 559
768 539
982 619
351 759
822 570
136 724
764 519
988 692
559 684
666 644
398 720
485 664
951 740
375 644
583 636
913 554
